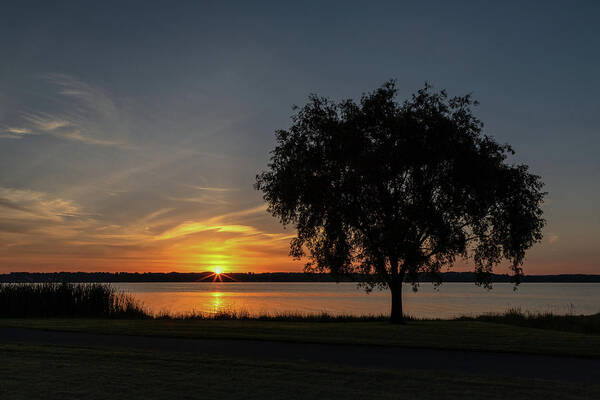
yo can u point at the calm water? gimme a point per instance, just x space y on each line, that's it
451 300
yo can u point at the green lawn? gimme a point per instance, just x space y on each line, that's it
468 335
53 372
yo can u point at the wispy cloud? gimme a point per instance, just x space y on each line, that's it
27 204
33 222
89 96
201 199
214 189
243 213
205 195
18 131
221 223
79 137
79 112
44 122
14 133
188 228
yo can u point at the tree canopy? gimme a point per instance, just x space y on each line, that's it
392 190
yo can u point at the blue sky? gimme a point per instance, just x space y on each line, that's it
131 132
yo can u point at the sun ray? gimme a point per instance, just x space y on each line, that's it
217 275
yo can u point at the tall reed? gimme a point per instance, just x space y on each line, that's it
67 300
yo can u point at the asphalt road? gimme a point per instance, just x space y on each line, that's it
571 369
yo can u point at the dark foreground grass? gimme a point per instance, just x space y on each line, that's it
464 335
53 372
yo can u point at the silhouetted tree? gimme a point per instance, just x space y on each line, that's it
392 190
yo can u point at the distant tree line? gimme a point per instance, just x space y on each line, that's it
32 277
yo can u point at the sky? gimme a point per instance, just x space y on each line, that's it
131 132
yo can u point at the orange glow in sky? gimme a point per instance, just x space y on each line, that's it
60 234
66 237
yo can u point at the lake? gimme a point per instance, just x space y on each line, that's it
450 300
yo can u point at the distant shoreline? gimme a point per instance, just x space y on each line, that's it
132 277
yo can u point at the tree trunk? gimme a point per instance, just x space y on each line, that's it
397 317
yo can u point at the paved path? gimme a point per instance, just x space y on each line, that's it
486 363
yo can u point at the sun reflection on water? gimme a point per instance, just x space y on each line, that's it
217 302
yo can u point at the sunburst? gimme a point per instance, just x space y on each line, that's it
217 276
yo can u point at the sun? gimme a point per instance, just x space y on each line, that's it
217 275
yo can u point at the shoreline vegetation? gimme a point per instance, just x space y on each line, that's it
101 300
101 309
132 277
67 300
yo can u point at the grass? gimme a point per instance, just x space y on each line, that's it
67 373
589 324
66 300
464 335
242 315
